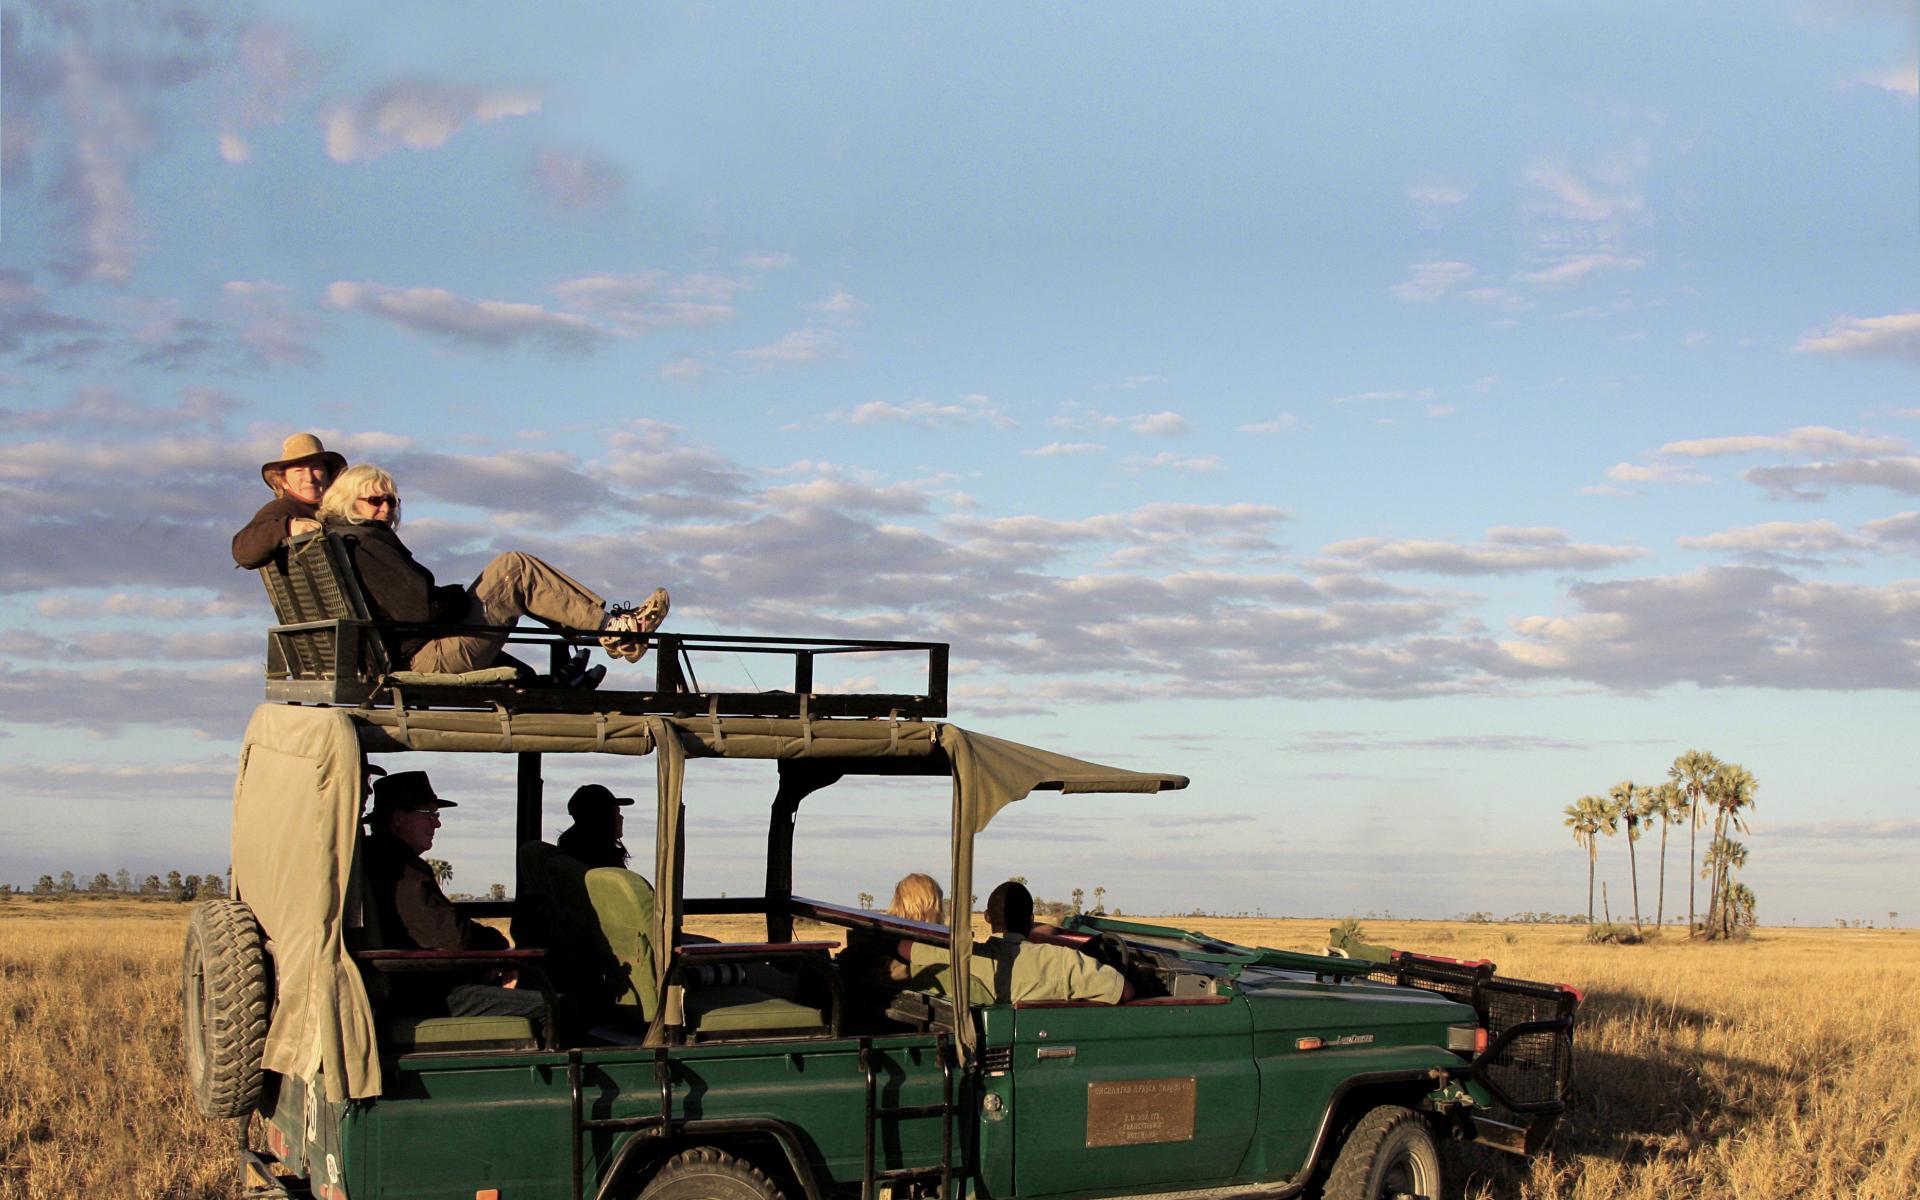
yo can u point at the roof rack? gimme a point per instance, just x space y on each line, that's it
327 649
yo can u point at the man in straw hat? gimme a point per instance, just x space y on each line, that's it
298 478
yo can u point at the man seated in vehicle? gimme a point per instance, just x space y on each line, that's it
1018 969
414 914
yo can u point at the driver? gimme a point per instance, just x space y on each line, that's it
1019 969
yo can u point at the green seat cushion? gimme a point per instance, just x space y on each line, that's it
739 1009
460 1033
485 675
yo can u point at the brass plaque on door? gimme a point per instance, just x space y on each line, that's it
1136 1112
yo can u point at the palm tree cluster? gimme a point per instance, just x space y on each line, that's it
1697 783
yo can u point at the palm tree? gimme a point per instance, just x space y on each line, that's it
1724 857
1668 804
442 871
1731 791
1691 773
1585 817
1626 800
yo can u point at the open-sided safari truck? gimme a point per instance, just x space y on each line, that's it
770 1070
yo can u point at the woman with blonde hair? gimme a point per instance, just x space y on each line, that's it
917 898
363 505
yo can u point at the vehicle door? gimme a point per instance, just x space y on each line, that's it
1154 1095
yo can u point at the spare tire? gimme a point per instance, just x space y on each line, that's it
226 993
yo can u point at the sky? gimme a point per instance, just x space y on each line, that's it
1402 420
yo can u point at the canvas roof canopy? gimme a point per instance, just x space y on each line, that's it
301 789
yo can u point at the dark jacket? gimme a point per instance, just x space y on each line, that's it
254 546
414 914
398 588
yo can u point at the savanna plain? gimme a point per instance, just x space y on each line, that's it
1779 1066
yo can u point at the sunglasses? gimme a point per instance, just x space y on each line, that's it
380 501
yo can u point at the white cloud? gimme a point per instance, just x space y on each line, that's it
1432 279
775 260
1654 473
1284 423
1578 266
639 303
1423 394
1808 439
1901 81
1895 336
1169 461
1608 193
801 346
234 148
1815 480
839 303
1065 450
972 409
1506 551
685 368
416 115
1159 424
491 323
1437 195
1770 538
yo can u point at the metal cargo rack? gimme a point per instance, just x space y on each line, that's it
328 649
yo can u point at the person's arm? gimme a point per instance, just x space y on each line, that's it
254 545
1089 979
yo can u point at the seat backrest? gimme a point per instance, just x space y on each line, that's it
598 924
310 579
623 902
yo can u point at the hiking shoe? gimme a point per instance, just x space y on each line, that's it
644 617
587 678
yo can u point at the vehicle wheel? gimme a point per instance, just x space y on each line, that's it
226 987
1390 1155
705 1173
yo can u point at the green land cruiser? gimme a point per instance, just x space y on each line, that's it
764 1070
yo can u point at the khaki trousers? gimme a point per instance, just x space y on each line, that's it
512 586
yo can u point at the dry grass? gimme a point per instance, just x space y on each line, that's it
1778 1067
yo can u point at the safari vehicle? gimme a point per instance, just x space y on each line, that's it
768 1070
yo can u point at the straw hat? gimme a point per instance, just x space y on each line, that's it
301 447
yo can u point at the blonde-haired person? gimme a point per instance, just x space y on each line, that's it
298 478
917 897
364 505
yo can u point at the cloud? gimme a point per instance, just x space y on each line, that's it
1065 450
1654 473
1432 279
1575 267
271 69
1423 394
1608 193
1808 439
1815 481
1725 627
1284 423
640 303
807 345
1437 195
686 368
838 303
1901 81
513 486
26 320
271 327
574 180
1507 551
1898 532
1166 460
495 324
416 115
971 409
1895 336
777 260
1777 539
1159 424
95 407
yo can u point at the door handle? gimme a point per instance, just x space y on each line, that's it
1046 1052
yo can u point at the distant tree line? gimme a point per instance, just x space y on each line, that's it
1699 788
174 886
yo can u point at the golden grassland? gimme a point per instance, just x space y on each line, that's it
1783 1066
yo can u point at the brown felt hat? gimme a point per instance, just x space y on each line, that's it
301 447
